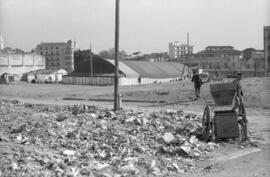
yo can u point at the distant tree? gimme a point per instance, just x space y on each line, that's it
110 54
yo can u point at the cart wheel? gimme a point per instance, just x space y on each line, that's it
206 124
243 122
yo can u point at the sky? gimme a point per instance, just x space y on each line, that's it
145 25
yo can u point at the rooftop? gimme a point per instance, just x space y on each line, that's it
217 46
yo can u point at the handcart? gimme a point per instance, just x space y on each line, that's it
219 120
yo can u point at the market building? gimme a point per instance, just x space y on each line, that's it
130 73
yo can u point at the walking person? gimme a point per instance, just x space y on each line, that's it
197 84
238 98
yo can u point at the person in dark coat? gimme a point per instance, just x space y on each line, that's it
238 98
197 84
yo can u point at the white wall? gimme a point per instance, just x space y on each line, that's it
21 63
80 80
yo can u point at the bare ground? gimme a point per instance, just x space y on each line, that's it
180 96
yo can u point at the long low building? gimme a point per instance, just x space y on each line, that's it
130 73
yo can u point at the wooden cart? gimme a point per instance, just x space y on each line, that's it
219 120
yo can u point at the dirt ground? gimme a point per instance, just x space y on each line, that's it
175 95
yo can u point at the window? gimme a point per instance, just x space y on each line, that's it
51 47
51 52
41 53
57 48
40 48
46 48
217 66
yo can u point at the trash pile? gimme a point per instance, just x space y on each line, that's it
52 140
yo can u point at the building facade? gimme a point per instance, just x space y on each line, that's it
178 50
58 55
20 63
252 53
266 40
219 51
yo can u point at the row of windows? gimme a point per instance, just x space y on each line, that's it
67 52
184 48
218 48
46 53
68 63
52 59
216 65
184 52
46 48
53 64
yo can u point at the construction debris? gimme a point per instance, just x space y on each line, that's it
51 140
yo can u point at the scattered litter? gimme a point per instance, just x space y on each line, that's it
86 140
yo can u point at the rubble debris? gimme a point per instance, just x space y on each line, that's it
81 140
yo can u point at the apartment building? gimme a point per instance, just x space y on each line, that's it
178 49
219 51
58 55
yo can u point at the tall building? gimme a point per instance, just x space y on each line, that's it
178 49
266 41
59 55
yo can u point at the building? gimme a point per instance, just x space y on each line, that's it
44 75
219 51
130 72
19 63
266 41
59 55
157 57
252 53
178 50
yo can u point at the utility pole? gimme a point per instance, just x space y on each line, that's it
91 61
116 91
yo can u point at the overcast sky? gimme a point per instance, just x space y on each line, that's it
145 25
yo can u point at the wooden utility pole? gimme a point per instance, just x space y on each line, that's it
116 91
91 61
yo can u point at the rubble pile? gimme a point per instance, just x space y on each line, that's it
51 140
